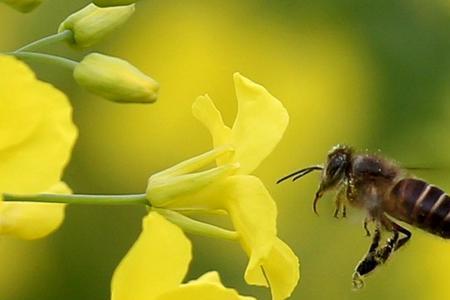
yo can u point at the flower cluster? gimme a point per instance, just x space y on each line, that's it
37 135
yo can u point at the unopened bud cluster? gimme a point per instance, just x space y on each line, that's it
109 77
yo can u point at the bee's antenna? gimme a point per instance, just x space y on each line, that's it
300 173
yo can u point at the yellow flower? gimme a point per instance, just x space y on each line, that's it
36 138
155 266
260 123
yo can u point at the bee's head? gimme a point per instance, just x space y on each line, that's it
333 173
336 167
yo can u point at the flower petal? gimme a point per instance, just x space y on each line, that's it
214 278
253 213
251 208
32 155
206 287
260 123
32 220
281 268
206 112
18 117
210 277
156 263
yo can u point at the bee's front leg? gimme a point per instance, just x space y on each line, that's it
340 204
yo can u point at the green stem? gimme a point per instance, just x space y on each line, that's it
197 227
46 58
79 199
66 35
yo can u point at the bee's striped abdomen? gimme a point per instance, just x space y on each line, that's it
421 204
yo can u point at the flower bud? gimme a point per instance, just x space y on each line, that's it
92 23
106 3
23 5
115 79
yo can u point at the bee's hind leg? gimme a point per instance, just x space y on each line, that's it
369 262
385 252
394 242
404 239
396 229
377 256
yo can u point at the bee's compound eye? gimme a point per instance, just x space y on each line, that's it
335 165
332 169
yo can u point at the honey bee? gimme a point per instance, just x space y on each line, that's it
386 193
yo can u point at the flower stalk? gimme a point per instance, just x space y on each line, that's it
197 227
45 58
63 36
140 199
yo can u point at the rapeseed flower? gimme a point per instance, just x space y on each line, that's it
260 123
36 139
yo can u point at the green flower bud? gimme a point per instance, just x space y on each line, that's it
23 5
92 23
115 79
106 3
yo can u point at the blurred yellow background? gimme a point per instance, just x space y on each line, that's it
373 74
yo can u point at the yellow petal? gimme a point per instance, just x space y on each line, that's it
253 213
32 220
18 117
157 262
214 278
210 277
260 123
32 156
281 269
207 287
251 208
206 112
